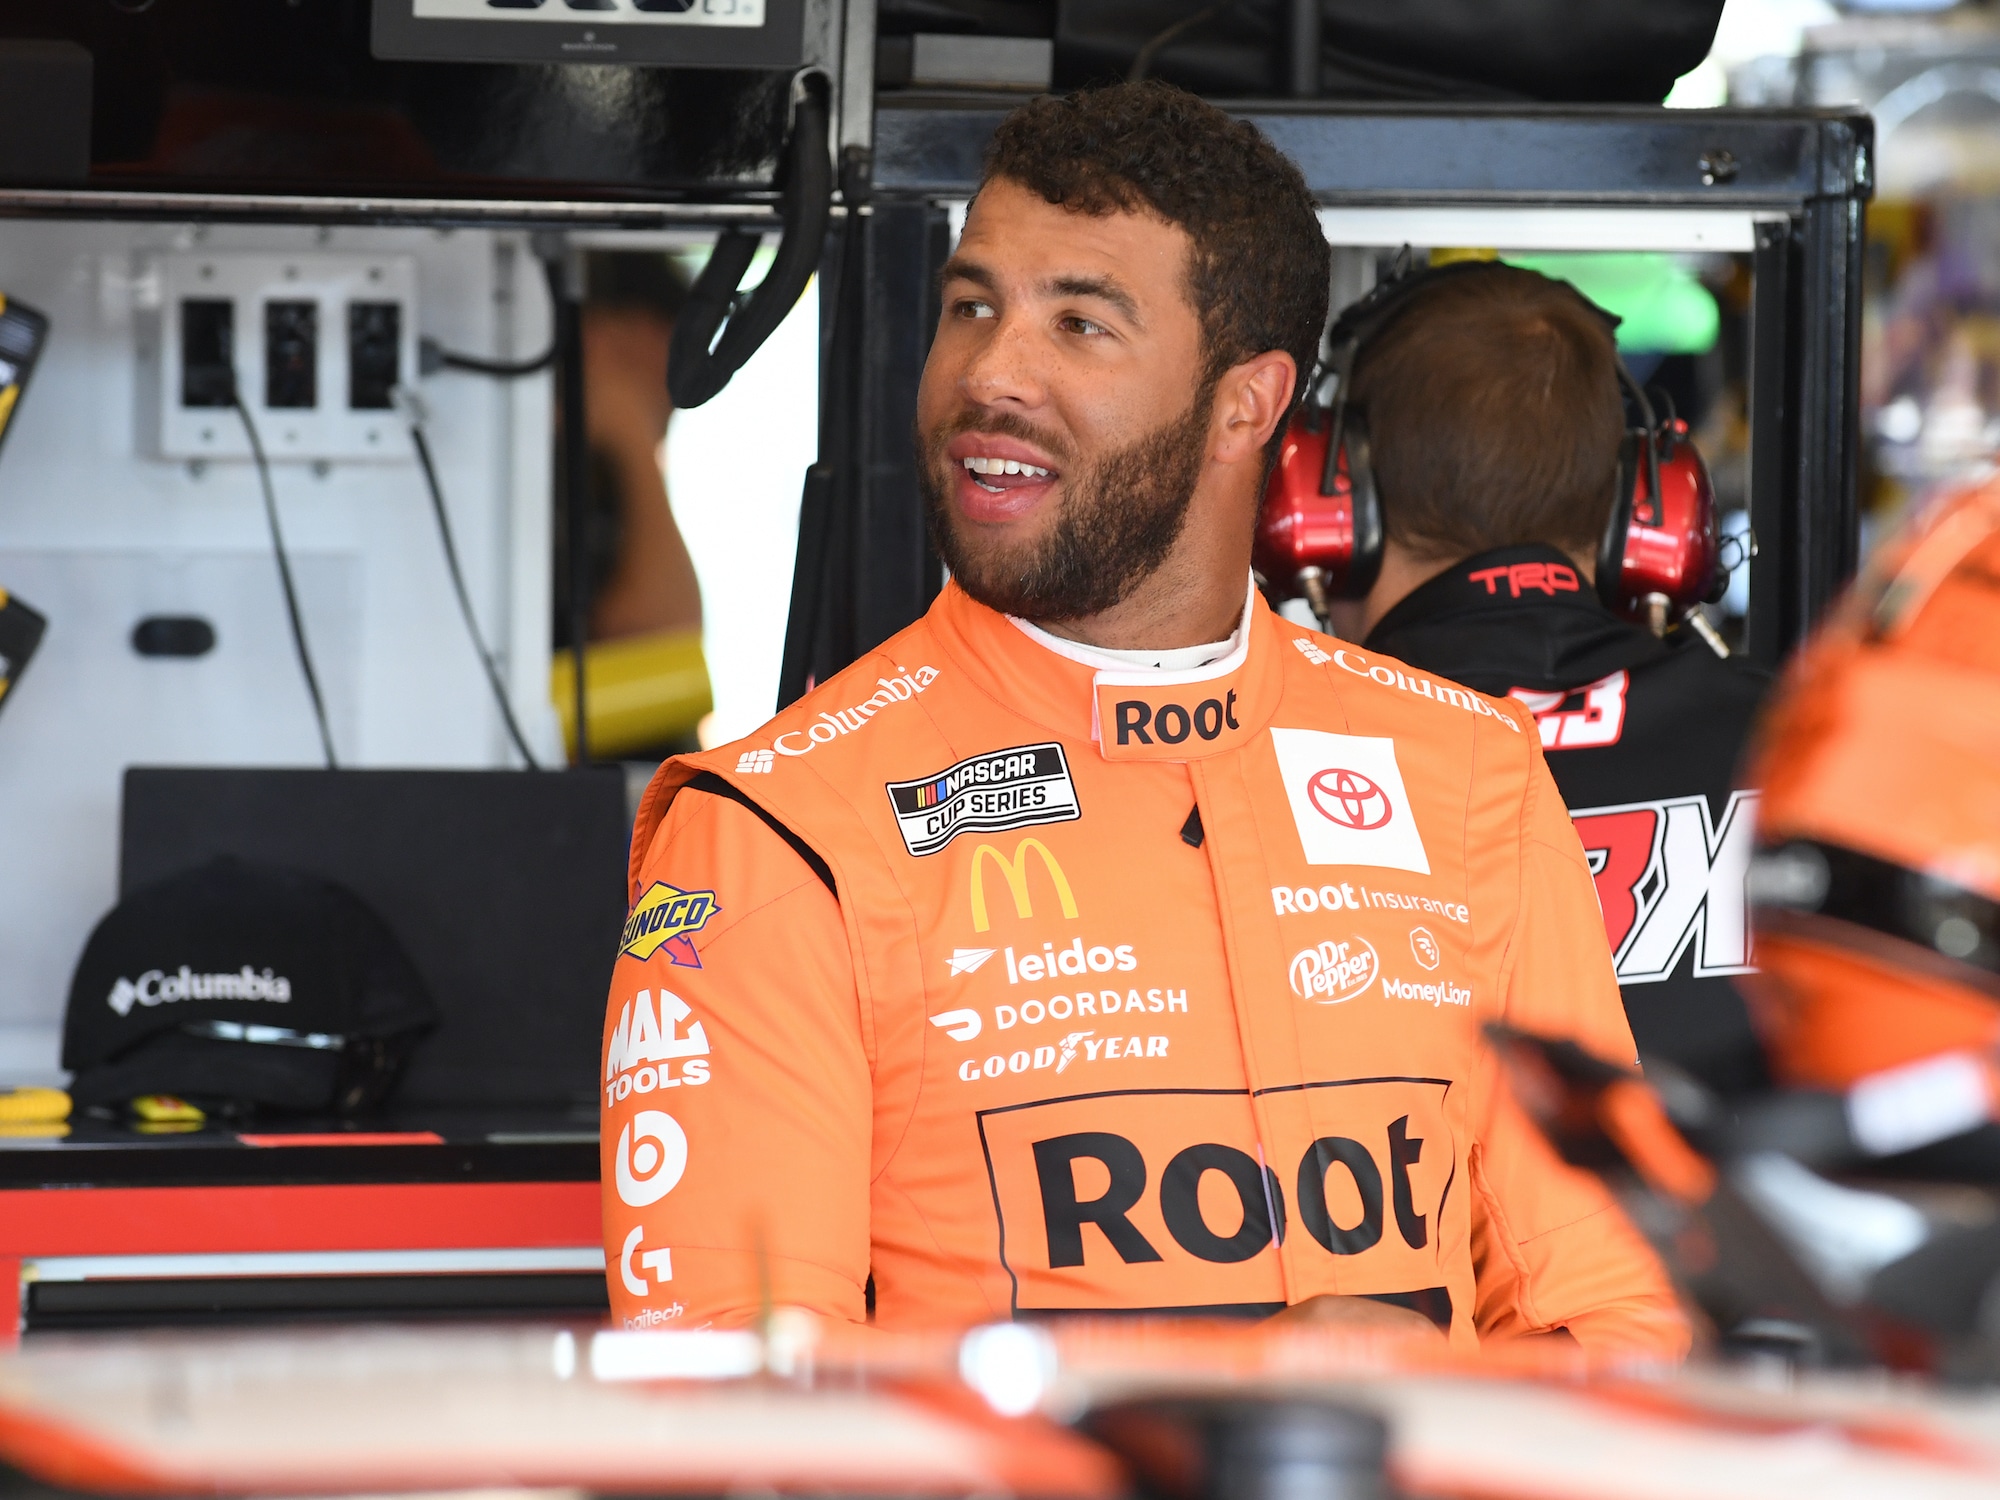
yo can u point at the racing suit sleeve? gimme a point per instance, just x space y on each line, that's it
736 1106
1551 1247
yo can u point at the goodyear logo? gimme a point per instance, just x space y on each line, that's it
666 918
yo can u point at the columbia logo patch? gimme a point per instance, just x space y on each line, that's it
1011 788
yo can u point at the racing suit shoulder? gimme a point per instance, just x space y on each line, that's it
736 1107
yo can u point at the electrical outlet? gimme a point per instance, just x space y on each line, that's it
314 343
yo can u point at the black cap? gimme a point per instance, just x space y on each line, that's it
240 985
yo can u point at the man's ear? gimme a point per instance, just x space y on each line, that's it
1250 400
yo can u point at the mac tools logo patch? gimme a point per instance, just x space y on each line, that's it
1348 800
1002 789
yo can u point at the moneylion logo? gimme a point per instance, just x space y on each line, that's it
1333 972
666 917
1015 873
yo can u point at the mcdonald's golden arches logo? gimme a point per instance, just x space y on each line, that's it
1015 872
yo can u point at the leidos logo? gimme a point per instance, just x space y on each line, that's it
668 918
1015 873
652 1155
1348 800
1334 972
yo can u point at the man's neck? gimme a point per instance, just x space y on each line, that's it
1146 658
1173 609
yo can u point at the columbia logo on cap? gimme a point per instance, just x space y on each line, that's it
157 987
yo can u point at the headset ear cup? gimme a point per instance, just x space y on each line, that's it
1618 525
1366 565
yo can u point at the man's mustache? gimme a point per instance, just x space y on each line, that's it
1000 424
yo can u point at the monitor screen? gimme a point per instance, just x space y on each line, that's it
656 33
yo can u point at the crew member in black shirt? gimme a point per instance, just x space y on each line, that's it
1494 413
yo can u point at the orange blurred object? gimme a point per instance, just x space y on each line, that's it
1877 887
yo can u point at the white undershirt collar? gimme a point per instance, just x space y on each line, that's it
1106 659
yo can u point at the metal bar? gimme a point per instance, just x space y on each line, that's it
1687 230
753 206
468 1261
1773 583
1303 60
1435 154
1829 404
565 274
897 575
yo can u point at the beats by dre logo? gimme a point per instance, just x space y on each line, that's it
1349 799
652 1155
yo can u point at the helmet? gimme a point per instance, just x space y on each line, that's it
1876 886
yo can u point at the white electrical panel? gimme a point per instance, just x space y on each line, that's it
313 343
116 509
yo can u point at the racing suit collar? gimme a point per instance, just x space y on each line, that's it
1513 617
1208 709
1180 659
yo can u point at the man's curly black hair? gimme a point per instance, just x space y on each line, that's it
1258 271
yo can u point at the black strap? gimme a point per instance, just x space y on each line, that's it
1806 879
708 781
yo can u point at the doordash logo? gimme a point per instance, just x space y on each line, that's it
1333 972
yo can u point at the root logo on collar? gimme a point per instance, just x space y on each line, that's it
667 918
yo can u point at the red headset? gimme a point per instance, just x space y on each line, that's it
1320 531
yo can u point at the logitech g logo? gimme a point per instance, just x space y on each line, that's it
652 1154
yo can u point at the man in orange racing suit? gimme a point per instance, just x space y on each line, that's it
1100 942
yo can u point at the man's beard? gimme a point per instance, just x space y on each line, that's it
1119 518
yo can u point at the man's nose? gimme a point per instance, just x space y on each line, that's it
1008 367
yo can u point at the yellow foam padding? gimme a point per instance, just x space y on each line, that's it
641 690
165 1109
1446 255
33 1130
33 1106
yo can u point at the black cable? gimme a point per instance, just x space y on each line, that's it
1142 61
285 579
575 449
433 356
464 600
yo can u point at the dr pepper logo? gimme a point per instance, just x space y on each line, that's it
1333 972
667 918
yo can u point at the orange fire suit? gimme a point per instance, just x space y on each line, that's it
1020 987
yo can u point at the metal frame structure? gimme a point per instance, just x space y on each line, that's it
1788 187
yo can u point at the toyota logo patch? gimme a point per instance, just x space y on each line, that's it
1349 799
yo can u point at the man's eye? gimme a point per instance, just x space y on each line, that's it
1082 326
972 308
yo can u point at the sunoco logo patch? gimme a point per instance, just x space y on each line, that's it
1011 788
667 918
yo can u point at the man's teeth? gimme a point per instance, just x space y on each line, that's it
1004 466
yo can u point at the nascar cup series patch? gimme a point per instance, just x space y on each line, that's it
667 918
1001 789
